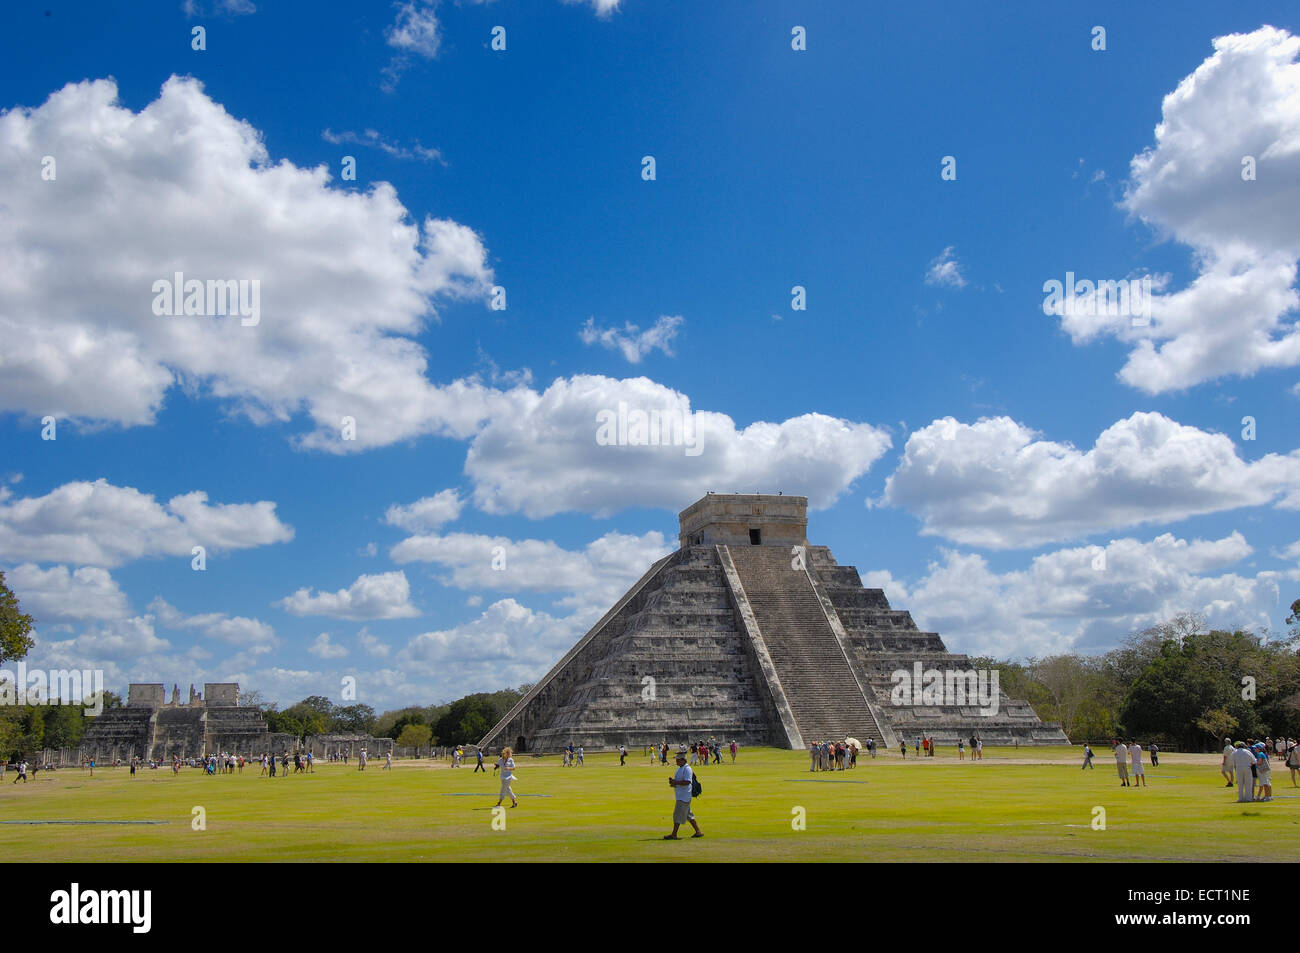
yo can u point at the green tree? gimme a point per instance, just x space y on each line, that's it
354 720
32 738
1217 723
15 626
415 736
64 726
11 732
467 720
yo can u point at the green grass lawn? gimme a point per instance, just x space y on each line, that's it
1026 805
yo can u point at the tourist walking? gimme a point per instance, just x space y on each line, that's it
479 765
507 765
902 748
622 755
1292 759
735 748
22 773
1155 754
1087 758
683 785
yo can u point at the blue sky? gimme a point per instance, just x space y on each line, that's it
979 459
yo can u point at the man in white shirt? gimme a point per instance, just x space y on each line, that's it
1139 773
1121 762
1225 769
681 783
1242 759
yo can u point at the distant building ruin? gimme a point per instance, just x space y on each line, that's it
151 728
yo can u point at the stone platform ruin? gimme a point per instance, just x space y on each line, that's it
149 727
748 632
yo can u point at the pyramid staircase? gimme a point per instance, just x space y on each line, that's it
827 698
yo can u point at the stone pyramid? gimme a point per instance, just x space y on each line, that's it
748 632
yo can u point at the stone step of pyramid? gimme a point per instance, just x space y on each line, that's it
824 695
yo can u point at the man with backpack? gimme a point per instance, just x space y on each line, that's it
684 788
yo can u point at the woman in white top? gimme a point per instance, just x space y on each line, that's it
507 765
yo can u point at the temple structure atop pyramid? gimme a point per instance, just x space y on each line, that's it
749 632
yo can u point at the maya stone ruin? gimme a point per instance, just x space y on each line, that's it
151 728
749 632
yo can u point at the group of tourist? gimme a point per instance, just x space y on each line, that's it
211 764
697 753
833 755
1124 754
702 751
23 766
1253 756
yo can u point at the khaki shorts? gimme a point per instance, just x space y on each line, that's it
1122 769
682 812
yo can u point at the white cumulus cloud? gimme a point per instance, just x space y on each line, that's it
542 455
1236 317
1084 599
251 635
100 524
945 271
594 577
994 483
631 341
324 648
346 279
426 514
59 594
380 596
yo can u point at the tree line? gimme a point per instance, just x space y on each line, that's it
1178 684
